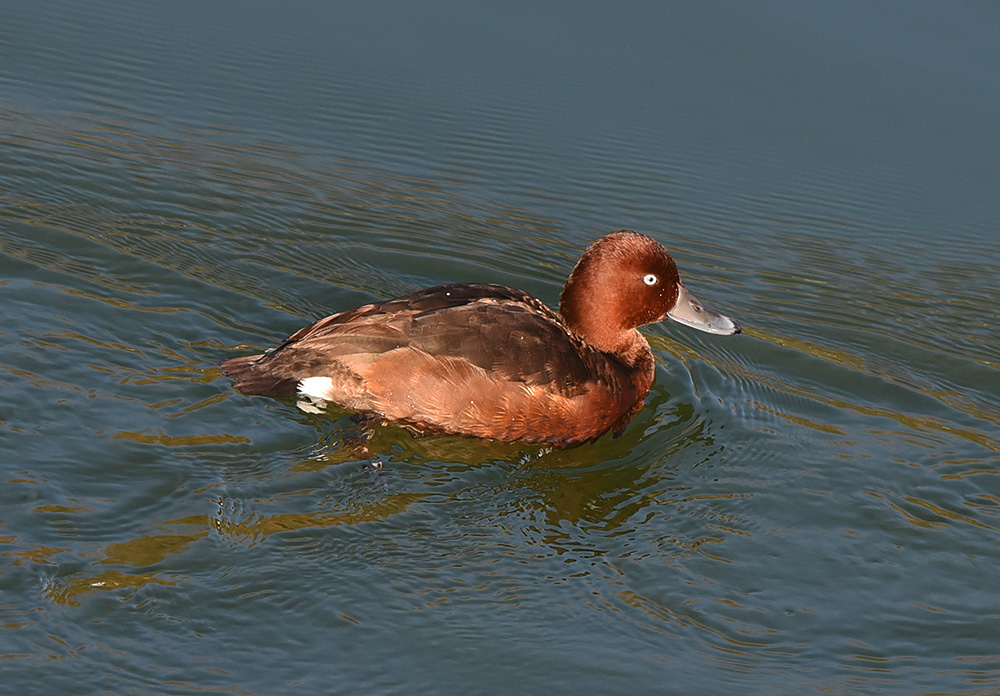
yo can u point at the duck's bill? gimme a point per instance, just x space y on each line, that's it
691 312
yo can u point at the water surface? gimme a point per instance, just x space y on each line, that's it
810 507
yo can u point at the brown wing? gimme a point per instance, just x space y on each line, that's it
506 332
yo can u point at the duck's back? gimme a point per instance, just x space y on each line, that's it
483 360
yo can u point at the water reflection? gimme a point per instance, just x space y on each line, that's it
235 523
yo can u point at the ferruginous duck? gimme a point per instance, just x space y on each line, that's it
494 362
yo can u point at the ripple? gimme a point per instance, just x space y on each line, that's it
812 504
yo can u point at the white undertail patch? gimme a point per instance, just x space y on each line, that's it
316 391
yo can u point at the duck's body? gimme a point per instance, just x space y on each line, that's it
490 361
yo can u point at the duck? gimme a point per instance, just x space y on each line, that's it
494 362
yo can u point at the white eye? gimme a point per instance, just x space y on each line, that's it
650 279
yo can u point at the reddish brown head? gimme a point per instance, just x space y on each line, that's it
623 281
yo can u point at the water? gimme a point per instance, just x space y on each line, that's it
810 507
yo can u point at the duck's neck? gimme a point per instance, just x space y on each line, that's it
628 345
583 313
604 333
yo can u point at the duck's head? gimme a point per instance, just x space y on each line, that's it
625 280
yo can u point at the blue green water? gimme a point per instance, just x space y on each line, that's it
810 507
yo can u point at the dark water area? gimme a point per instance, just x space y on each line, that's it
810 507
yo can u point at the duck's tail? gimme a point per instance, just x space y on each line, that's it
251 376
